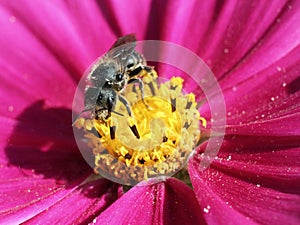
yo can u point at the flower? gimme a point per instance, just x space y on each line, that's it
253 50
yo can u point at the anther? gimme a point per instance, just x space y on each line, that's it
135 131
112 131
186 125
96 133
165 139
173 104
191 100
188 105
133 128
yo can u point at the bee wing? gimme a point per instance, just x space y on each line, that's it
123 47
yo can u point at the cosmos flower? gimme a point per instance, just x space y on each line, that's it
251 46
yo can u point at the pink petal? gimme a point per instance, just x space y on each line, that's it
22 198
80 206
39 162
247 183
220 32
269 88
169 202
29 72
278 41
268 103
75 32
126 17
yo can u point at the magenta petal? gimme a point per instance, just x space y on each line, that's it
250 184
281 38
221 32
268 103
257 98
170 202
126 17
23 198
81 205
39 161
273 162
74 31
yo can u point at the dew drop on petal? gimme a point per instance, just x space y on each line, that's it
206 209
226 50
283 84
10 108
12 19
94 221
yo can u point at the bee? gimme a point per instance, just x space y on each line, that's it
109 76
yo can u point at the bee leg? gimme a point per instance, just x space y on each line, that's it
133 127
149 70
141 86
110 105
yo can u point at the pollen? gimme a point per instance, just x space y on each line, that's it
155 141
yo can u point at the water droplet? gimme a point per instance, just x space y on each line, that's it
234 88
278 68
94 220
272 99
226 50
12 19
228 158
258 185
10 108
283 84
206 210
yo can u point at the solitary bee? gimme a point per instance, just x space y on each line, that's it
120 66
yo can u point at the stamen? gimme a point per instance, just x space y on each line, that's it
156 140
173 104
135 131
112 131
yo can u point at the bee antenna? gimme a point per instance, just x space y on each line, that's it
83 111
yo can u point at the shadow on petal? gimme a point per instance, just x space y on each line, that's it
294 86
42 143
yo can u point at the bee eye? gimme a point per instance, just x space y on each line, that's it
119 77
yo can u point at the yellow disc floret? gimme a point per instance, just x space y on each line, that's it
167 122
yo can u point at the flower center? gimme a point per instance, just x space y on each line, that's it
156 141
